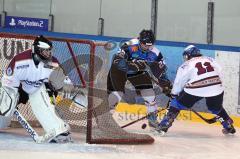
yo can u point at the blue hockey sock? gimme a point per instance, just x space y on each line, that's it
168 119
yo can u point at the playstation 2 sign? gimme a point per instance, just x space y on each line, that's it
26 23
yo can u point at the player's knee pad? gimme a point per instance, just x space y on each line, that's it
114 98
44 111
150 99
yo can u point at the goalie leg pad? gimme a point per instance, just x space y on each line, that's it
5 121
8 101
45 113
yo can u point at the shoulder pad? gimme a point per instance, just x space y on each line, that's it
124 47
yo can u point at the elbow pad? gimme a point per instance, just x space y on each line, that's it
120 62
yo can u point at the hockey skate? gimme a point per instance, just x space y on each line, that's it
62 138
167 121
163 127
228 127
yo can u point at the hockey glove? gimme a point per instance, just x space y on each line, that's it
120 62
137 65
166 88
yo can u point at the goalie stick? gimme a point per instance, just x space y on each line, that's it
31 131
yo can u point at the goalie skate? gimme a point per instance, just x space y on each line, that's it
62 138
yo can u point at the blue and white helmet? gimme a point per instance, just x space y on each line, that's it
191 51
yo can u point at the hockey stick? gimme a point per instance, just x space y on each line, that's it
209 121
144 117
59 81
31 131
80 99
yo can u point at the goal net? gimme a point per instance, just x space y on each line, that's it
86 64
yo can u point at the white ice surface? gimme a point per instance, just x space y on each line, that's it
185 140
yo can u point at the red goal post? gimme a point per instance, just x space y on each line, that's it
86 63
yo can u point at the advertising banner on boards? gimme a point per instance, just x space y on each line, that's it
26 23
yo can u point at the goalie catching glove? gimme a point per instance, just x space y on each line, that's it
56 78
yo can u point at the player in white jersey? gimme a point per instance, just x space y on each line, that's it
27 79
136 61
198 77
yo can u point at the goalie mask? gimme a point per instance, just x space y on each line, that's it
42 49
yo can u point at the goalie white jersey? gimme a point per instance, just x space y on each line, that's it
22 70
199 76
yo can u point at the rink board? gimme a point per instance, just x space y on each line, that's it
136 111
230 62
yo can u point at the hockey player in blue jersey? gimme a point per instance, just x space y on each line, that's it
136 60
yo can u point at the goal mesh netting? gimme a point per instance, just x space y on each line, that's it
86 63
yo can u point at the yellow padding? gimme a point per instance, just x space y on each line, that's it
58 99
183 115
